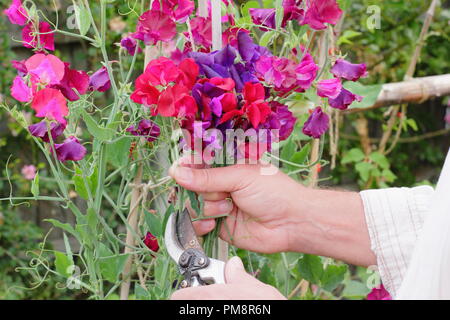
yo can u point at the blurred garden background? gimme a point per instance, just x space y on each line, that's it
420 140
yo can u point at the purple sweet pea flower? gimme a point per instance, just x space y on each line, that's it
130 44
70 149
317 123
146 128
379 293
329 88
285 119
263 17
349 71
344 99
17 13
99 81
39 130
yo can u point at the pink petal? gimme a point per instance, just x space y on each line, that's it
51 104
20 91
46 69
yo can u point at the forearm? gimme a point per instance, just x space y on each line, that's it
332 224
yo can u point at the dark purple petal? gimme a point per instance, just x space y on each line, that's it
130 45
100 81
317 124
246 46
226 56
216 106
146 128
344 99
285 118
349 71
39 130
70 149
20 67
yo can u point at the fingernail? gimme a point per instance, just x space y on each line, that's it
182 174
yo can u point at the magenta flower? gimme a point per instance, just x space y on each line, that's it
202 31
20 67
17 13
20 90
28 172
330 88
46 69
278 71
320 12
263 17
317 123
130 44
70 149
292 11
379 293
349 71
99 80
178 10
40 130
73 80
154 26
51 104
45 34
151 242
146 128
344 99
306 72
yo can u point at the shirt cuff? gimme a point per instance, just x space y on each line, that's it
395 218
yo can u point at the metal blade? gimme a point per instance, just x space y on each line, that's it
186 233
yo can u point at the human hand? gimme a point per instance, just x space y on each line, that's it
261 216
239 286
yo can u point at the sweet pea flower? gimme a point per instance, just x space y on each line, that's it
317 123
130 44
45 69
379 293
151 242
99 80
20 67
344 99
154 26
51 104
230 36
28 172
178 10
292 11
202 31
263 17
349 71
329 88
319 12
40 130
176 101
282 119
73 80
146 128
16 13
20 90
306 72
45 33
70 149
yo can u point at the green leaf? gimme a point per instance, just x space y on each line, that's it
333 276
62 264
353 155
300 156
355 289
279 13
311 268
80 184
115 152
100 133
194 201
364 169
167 214
141 293
379 159
388 175
347 36
110 265
35 185
153 224
82 18
248 5
65 226
369 93
266 38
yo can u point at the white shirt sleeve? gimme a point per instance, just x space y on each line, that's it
395 217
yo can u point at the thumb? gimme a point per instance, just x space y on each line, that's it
235 272
226 179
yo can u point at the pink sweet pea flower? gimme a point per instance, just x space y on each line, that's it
17 13
320 12
70 149
202 31
99 80
379 293
45 69
317 123
154 26
306 72
330 88
73 80
28 172
51 104
179 10
45 34
349 71
20 90
20 67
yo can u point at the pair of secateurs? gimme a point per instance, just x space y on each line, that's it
183 247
